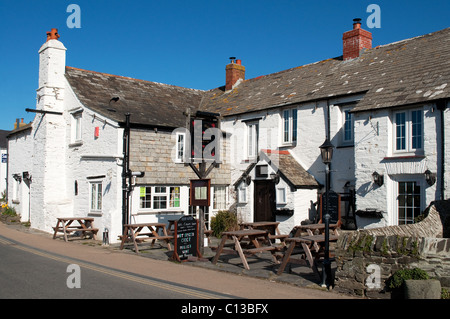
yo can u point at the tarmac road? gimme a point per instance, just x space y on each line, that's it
35 266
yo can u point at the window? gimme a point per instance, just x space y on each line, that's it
347 129
408 131
242 194
180 147
145 197
220 198
96 196
289 126
252 140
409 202
159 197
76 127
281 195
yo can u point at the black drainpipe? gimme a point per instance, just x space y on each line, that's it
441 106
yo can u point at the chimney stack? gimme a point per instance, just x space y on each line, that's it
355 40
234 72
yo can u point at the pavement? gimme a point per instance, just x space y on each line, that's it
262 267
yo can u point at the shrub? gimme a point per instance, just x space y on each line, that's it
8 211
397 279
223 221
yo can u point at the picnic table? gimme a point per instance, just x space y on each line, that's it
84 225
313 248
272 227
133 233
312 229
254 245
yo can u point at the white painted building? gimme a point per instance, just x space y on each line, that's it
384 109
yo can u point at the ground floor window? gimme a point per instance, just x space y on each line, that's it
159 197
96 196
409 202
220 198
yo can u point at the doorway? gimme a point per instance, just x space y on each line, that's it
264 201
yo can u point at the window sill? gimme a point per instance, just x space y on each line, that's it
405 156
75 144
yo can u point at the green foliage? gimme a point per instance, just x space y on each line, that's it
397 279
223 221
445 294
8 211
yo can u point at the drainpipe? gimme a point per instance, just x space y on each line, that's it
125 170
441 106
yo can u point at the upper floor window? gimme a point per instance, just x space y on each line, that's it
76 127
408 131
347 129
289 126
252 139
180 148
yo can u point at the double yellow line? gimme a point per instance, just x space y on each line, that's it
145 281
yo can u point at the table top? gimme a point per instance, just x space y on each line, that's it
245 232
76 218
313 238
316 226
260 224
145 224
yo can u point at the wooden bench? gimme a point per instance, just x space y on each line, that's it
64 225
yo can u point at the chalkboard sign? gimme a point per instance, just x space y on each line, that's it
334 207
186 238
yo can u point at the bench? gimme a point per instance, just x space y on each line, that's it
64 225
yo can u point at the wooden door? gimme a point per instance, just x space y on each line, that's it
264 201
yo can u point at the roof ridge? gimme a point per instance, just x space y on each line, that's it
132 79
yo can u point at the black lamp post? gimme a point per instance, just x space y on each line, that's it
326 151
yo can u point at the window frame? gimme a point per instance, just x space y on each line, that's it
221 191
422 193
242 194
252 139
281 200
412 132
168 197
76 127
289 127
94 206
346 111
180 158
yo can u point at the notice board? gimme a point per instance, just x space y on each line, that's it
334 207
186 238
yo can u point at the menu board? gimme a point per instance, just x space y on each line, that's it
186 238
334 207
200 192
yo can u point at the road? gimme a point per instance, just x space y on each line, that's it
36 266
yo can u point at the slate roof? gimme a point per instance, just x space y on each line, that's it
406 72
149 103
288 168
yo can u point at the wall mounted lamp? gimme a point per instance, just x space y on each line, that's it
275 177
430 178
377 178
248 179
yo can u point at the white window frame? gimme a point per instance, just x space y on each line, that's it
289 126
281 195
76 127
219 198
252 139
94 205
242 194
158 195
180 147
408 132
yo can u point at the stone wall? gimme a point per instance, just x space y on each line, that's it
363 255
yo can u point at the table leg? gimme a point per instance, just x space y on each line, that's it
168 240
312 262
56 228
219 249
238 247
286 257
124 237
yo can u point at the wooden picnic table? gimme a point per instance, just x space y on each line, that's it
313 248
133 233
252 235
85 224
312 229
272 227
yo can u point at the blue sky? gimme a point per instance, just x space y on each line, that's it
188 43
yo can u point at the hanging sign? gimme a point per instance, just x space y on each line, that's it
200 192
334 207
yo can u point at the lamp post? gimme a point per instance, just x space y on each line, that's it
326 152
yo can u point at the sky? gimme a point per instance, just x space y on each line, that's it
188 43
